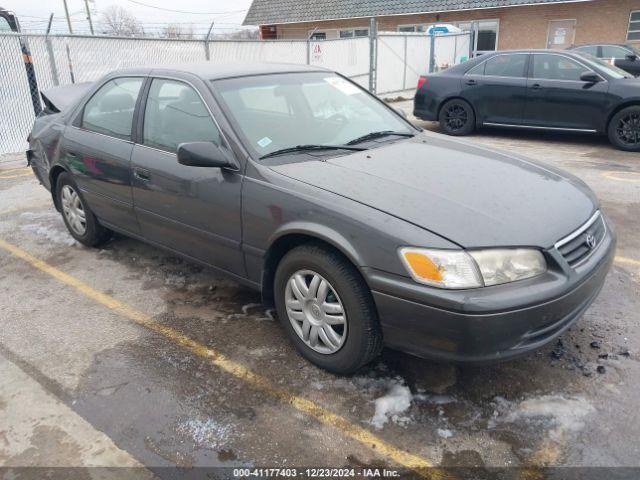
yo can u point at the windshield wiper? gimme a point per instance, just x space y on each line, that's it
303 148
374 135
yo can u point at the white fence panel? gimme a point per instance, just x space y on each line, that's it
350 57
16 114
258 51
418 53
400 61
451 49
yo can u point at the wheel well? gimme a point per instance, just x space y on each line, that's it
632 103
53 178
278 250
456 98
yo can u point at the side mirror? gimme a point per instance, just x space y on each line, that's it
401 112
590 77
632 57
205 154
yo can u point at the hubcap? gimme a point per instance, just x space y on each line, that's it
628 129
73 210
455 117
316 312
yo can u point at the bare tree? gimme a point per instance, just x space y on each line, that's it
120 22
177 30
244 34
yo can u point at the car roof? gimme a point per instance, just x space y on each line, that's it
215 71
601 45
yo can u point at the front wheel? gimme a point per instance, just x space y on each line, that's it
624 129
327 309
457 117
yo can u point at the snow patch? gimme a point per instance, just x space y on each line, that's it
566 413
392 406
54 235
205 433
444 433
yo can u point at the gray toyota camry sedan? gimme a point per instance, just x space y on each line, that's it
363 230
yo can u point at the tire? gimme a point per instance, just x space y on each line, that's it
361 337
624 129
72 207
457 118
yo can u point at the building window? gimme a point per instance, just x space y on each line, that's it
412 28
319 36
633 32
354 32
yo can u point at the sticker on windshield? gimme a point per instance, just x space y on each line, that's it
341 84
264 141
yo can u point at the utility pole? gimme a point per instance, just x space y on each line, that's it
86 4
66 12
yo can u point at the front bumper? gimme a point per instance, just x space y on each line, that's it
491 323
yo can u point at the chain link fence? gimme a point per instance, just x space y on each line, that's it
33 63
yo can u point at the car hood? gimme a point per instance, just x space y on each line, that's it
468 194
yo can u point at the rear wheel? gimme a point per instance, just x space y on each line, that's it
457 117
78 217
327 309
624 129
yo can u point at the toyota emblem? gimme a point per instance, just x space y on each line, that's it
590 240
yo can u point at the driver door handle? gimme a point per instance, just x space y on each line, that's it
142 174
471 82
536 86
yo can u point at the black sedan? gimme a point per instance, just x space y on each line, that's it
539 89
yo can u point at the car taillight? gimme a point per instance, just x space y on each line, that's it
421 82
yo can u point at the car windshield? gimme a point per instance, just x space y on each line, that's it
281 111
602 65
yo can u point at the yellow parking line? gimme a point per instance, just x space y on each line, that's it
3 177
622 176
627 260
421 466
5 170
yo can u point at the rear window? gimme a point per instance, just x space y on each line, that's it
4 25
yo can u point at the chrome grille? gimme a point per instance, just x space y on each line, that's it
578 247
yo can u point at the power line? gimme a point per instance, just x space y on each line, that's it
183 11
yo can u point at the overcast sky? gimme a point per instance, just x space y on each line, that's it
227 14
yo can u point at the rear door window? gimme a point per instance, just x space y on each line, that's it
506 66
110 110
176 114
590 49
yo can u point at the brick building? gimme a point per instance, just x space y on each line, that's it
500 24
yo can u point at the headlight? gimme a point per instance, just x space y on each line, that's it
502 265
461 269
441 268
